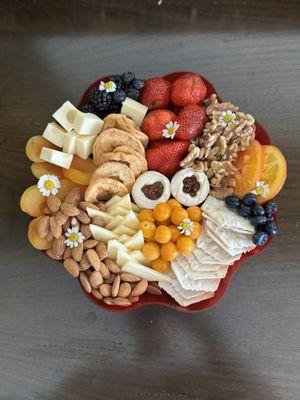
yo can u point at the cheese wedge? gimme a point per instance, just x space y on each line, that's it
131 220
102 234
65 115
119 211
123 257
134 110
55 134
123 202
94 213
113 200
87 123
70 142
136 242
139 257
84 145
144 272
123 229
56 157
124 238
113 247
113 223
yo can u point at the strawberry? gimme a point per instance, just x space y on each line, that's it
188 89
155 122
191 120
166 157
156 93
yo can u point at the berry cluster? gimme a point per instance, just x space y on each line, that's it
261 217
103 102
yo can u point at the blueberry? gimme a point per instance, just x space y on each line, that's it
271 207
258 220
271 228
270 217
119 96
133 94
258 209
244 211
249 199
137 84
232 201
128 77
259 238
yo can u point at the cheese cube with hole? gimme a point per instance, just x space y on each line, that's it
92 213
144 272
123 229
65 115
70 142
134 110
55 134
56 157
102 234
113 246
84 145
136 242
131 220
87 123
112 201
123 202
113 223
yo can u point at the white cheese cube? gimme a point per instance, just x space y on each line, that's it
87 124
134 110
65 115
55 134
56 157
70 142
84 145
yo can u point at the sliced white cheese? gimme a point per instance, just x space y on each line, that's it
113 200
119 211
94 213
84 145
56 157
102 234
123 229
113 247
131 220
123 257
113 223
138 255
123 202
65 115
87 123
136 242
144 272
70 142
55 134
134 110
135 208
124 238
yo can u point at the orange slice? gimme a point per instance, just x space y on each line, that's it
274 172
250 166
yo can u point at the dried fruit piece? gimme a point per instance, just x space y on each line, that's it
33 202
34 147
34 238
80 171
39 169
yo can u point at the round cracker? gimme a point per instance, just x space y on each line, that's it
111 138
129 150
131 160
115 170
103 189
141 136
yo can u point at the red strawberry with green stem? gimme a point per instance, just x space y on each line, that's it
166 157
156 123
191 120
156 93
188 89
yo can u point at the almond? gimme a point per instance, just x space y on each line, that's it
105 290
110 279
84 204
61 218
140 288
55 228
67 253
83 217
112 266
85 230
97 294
84 263
72 267
69 209
104 271
98 221
47 211
133 299
77 252
50 253
49 236
122 302
59 246
75 223
73 197
101 250
90 244
93 258
109 301
124 290
154 290
84 280
43 226
116 286
95 279
67 224
53 203
127 277
101 206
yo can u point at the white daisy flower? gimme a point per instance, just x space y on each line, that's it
170 131
186 227
227 118
109 86
48 184
74 237
261 189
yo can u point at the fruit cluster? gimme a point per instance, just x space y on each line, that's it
260 216
168 230
109 96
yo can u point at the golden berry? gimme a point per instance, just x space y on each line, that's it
178 214
151 250
161 265
162 212
148 228
194 213
169 251
146 215
163 234
175 233
196 231
185 245
173 203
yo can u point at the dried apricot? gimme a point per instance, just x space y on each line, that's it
34 238
34 147
33 202
40 169
80 171
66 187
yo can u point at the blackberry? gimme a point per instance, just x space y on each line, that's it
88 108
133 94
118 96
94 95
137 84
232 201
115 108
128 77
120 85
259 238
99 100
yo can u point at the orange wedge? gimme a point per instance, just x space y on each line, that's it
274 172
250 166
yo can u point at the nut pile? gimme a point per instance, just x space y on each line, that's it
89 259
226 133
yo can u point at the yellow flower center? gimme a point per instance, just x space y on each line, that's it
172 131
49 185
108 85
185 226
227 118
259 190
73 237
